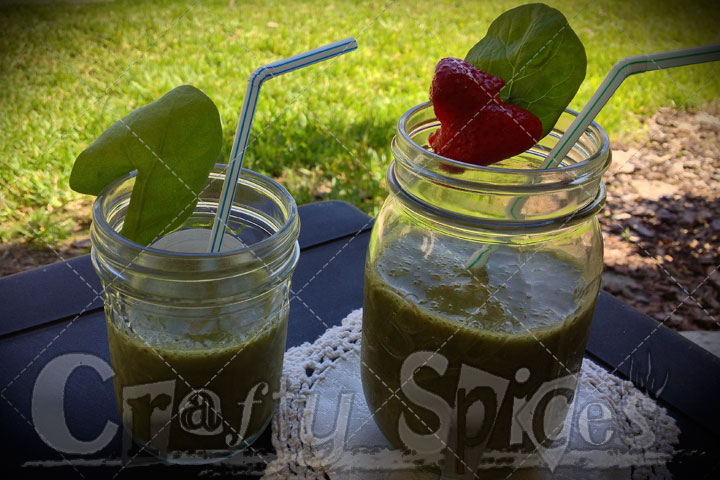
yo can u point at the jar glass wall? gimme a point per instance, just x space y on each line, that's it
197 339
480 287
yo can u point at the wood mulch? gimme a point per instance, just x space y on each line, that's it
662 221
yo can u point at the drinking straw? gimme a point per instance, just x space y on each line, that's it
623 69
242 134
620 71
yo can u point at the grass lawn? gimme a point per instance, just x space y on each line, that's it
68 70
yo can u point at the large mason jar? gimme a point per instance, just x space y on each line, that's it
197 339
480 287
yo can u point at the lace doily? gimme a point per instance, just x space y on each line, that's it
324 430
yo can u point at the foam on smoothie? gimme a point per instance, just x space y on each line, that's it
520 290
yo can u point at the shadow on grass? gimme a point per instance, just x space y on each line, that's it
325 160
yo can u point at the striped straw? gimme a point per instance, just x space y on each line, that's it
623 69
620 71
242 134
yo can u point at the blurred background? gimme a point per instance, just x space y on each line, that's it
70 69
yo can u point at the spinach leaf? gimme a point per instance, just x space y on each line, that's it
534 49
172 143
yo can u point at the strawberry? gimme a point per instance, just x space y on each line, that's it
457 85
475 125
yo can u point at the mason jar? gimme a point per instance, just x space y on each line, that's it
197 339
480 287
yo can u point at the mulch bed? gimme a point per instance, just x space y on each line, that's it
662 221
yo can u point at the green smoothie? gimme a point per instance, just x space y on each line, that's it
518 317
234 368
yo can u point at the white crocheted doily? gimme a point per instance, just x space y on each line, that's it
324 430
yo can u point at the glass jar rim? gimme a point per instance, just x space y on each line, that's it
451 189
595 160
500 226
283 231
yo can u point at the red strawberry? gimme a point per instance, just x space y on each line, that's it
475 125
457 85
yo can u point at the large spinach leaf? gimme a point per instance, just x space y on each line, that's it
172 143
534 49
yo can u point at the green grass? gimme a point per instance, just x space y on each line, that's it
68 71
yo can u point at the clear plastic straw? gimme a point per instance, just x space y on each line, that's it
623 69
620 71
242 134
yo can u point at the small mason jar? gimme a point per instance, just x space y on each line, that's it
197 339
480 287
